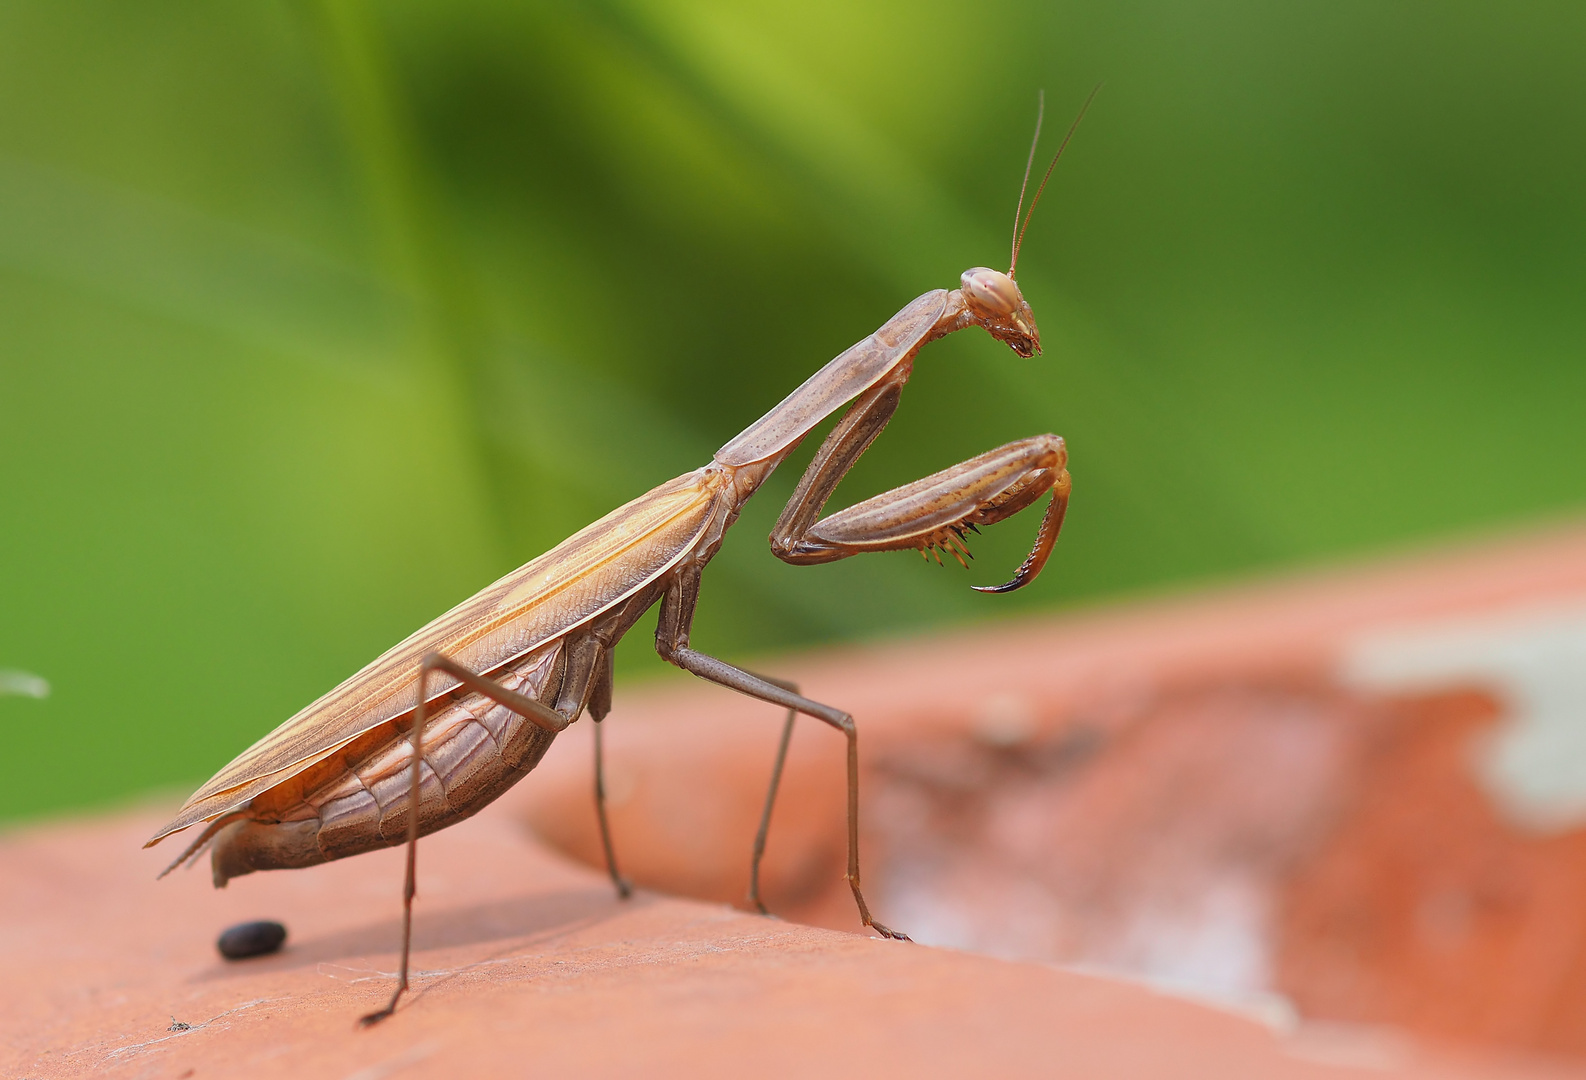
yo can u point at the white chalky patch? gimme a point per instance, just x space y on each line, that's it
1533 661
23 684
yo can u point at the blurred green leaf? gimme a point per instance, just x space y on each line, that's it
319 315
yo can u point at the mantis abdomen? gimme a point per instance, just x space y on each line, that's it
358 800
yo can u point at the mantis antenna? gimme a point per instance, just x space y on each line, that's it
1040 113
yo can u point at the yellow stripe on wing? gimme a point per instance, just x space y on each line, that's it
586 574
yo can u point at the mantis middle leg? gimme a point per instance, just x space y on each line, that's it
671 641
600 705
770 796
931 512
770 802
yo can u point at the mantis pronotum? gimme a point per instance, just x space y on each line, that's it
369 765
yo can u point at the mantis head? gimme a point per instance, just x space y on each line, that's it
996 303
994 299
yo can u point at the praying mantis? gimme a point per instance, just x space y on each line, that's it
373 764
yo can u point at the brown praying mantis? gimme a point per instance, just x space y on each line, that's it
371 764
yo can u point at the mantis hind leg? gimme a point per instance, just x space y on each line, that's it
624 887
531 710
599 705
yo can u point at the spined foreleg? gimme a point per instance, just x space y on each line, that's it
934 512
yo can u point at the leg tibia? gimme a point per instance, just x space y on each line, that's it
928 512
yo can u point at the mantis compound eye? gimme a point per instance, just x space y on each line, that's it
996 302
991 292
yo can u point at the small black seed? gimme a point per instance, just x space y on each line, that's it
251 939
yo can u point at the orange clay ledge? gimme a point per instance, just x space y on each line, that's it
528 965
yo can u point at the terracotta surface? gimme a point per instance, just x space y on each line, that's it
1057 790
1186 790
1423 908
529 966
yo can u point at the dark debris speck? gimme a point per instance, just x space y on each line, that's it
251 939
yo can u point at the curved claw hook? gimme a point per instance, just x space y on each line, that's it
1051 524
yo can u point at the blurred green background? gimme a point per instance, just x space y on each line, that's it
317 317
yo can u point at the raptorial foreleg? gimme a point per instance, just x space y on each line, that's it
935 512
